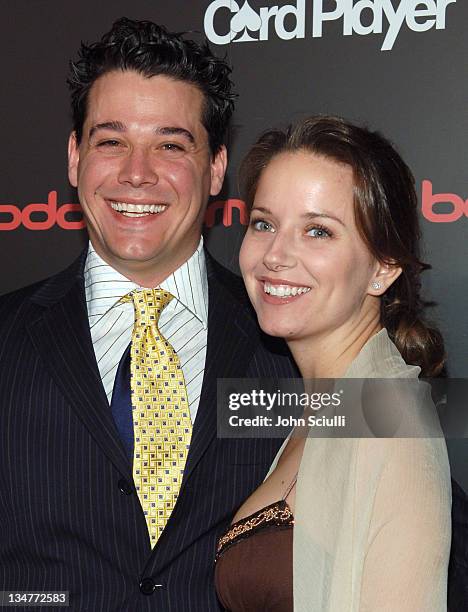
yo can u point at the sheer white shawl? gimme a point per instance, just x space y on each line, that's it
372 516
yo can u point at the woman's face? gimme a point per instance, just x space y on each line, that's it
306 269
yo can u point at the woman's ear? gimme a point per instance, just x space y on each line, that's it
385 274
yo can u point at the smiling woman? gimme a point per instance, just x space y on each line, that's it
334 207
331 263
303 237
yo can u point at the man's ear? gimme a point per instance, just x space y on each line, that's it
385 274
73 159
218 170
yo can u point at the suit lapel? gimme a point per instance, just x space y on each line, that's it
60 334
232 331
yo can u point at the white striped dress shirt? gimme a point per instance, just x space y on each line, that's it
183 322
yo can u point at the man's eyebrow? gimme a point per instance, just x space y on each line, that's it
116 126
308 215
176 131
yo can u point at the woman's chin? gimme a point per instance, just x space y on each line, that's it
278 330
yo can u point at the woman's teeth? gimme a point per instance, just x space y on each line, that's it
284 290
137 210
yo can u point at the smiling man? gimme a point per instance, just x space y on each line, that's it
114 486
144 172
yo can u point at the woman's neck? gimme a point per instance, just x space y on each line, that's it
329 355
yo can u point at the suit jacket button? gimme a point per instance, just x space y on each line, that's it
125 487
147 586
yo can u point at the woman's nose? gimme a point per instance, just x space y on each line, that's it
280 254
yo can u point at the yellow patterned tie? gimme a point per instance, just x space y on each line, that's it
161 416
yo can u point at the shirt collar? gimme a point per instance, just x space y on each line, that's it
104 286
189 284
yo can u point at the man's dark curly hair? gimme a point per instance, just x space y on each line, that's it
150 50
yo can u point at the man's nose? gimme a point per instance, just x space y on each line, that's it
138 169
280 255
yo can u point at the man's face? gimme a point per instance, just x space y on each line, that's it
144 172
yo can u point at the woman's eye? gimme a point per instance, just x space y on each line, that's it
319 232
262 226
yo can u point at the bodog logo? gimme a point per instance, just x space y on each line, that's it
227 207
53 215
224 208
430 199
58 215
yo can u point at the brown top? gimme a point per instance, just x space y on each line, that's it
254 568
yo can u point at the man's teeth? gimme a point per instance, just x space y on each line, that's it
284 290
137 210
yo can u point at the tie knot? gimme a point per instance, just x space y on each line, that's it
148 304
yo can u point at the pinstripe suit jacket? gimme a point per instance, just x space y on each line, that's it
70 519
